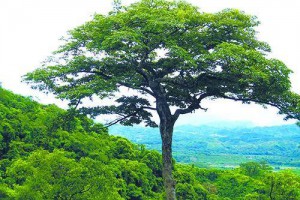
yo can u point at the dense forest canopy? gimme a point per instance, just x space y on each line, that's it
49 153
170 52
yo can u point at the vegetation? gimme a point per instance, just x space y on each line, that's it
171 52
49 153
223 145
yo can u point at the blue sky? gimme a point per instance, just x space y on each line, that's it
30 31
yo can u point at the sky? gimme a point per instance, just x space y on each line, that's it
30 31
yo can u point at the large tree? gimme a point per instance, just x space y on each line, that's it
172 56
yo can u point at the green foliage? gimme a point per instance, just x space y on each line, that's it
233 184
46 157
185 191
45 175
153 160
171 51
49 153
283 185
254 169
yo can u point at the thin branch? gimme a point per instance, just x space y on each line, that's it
250 99
80 192
77 104
144 74
128 85
149 108
124 117
120 119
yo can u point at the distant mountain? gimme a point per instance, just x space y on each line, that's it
224 124
223 145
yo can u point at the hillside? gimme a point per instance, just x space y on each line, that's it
49 153
220 145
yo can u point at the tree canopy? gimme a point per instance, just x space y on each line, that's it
189 55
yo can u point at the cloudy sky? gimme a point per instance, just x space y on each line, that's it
30 31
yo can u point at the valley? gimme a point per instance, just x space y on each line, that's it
222 146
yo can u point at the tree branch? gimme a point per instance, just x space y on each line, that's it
194 105
80 192
120 119
149 108
250 100
128 85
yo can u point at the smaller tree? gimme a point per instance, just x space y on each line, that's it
254 169
282 185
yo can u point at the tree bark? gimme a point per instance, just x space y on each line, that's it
166 126
166 131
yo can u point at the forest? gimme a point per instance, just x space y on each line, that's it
50 153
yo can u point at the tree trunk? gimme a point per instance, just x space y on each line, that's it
167 121
166 131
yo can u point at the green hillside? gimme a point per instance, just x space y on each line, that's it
49 153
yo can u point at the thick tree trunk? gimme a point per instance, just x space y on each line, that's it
167 121
166 131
